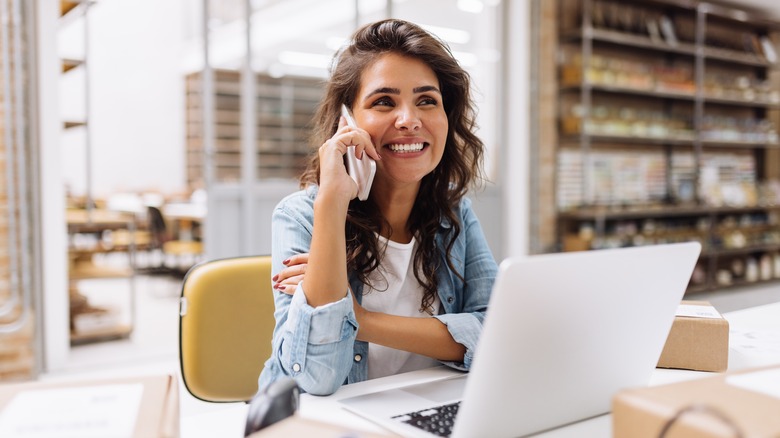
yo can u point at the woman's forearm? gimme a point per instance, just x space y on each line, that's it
425 336
325 279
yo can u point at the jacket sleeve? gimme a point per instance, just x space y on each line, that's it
472 254
312 345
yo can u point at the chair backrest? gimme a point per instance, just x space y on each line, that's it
225 327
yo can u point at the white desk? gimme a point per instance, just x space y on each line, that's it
754 341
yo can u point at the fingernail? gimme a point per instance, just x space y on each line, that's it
276 285
286 261
275 277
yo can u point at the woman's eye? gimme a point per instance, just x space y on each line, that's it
383 101
428 101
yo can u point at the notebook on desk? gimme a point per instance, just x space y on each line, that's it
563 333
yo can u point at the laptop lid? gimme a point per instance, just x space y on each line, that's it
563 333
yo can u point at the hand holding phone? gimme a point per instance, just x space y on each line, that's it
361 170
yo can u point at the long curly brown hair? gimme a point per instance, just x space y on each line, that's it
441 190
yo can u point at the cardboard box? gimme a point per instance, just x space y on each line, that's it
150 407
744 403
96 320
698 340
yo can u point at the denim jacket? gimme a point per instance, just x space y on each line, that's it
317 346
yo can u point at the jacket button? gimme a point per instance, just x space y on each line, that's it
358 358
297 367
450 299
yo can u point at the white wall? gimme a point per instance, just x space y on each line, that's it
137 98
54 281
515 181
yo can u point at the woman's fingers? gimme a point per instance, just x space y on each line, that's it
288 278
288 289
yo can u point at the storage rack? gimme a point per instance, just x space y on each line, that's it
706 77
284 109
86 223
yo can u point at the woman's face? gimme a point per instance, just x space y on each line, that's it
399 104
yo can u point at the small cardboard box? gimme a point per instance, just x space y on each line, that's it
74 408
96 320
744 403
698 340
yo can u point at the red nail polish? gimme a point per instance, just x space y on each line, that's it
275 277
286 262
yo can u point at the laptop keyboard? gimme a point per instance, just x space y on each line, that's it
438 420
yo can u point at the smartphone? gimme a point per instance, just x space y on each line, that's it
361 170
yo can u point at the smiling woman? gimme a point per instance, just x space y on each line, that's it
400 281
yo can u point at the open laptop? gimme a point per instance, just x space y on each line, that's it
563 333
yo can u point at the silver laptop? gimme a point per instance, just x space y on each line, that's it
563 333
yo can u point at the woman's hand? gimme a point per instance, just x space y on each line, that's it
334 178
288 278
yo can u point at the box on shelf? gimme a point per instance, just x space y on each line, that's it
698 340
139 407
96 320
742 403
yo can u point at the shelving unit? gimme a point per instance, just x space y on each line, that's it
284 108
88 226
668 131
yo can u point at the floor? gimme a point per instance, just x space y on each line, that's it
153 346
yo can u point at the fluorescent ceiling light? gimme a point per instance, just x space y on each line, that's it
473 6
335 43
449 34
303 59
465 59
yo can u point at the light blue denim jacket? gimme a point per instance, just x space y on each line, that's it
317 346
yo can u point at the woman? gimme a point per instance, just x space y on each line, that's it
402 280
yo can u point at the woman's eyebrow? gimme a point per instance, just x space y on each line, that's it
426 88
384 90
390 90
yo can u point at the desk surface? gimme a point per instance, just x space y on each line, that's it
754 341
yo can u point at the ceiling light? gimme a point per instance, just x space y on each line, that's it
456 36
465 59
473 6
304 59
335 43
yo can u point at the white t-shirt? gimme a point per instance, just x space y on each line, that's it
396 292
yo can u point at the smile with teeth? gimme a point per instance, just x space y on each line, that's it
404 148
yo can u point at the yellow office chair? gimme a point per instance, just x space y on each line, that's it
225 327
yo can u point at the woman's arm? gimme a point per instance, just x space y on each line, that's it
326 277
426 336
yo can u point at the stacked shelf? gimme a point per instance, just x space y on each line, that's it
284 109
668 131
87 225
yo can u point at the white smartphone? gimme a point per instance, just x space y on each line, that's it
361 170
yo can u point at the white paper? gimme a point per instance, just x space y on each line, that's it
82 412
755 343
697 311
765 382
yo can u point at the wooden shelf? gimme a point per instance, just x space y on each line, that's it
84 271
67 6
121 331
73 124
70 64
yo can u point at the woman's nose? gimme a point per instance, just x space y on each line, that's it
407 119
